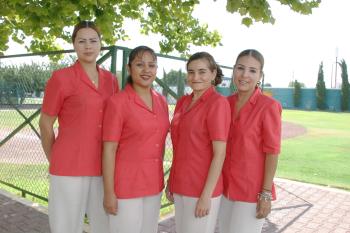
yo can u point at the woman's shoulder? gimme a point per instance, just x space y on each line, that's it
218 98
269 104
268 99
121 95
182 99
107 73
64 72
63 77
232 97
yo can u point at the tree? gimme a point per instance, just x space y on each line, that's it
46 21
292 84
19 81
344 86
181 83
321 89
175 78
297 94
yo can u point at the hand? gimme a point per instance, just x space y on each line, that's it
168 194
202 207
110 204
263 208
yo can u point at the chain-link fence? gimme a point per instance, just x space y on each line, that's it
23 165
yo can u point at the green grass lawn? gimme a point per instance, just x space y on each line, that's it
34 178
322 155
11 119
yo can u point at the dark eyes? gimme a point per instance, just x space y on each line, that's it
84 41
141 65
199 72
241 68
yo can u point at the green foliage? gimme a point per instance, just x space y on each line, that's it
181 83
297 94
19 81
292 83
321 89
345 88
175 78
260 10
45 21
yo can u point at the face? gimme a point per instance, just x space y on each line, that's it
143 70
199 76
247 73
87 45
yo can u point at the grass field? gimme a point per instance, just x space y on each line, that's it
322 155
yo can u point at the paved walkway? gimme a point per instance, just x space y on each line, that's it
300 208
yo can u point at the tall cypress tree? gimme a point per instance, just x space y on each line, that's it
297 94
344 86
321 89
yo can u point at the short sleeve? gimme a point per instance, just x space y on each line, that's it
219 119
53 97
113 120
271 130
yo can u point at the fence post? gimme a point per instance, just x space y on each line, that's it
113 52
124 72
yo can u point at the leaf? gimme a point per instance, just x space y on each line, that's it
46 21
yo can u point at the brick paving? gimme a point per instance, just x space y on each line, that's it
300 208
18 215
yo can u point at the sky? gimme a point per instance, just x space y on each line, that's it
293 47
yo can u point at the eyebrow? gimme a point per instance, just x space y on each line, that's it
249 67
92 38
201 69
149 62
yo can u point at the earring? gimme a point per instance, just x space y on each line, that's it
213 82
258 83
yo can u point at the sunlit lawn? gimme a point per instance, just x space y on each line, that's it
322 155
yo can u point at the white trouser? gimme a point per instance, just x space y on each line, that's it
136 215
239 217
185 220
70 197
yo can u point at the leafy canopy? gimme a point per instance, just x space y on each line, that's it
46 21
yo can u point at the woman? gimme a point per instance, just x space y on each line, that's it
135 126
76 96
252 149
199 132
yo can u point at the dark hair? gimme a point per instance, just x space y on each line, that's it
212 65
139 51
253 53
85 24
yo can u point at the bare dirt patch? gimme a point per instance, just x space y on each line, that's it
291 130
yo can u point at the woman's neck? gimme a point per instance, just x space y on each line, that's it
142 91
198 94
245 95
90 68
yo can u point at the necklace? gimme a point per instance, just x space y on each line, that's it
94 80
